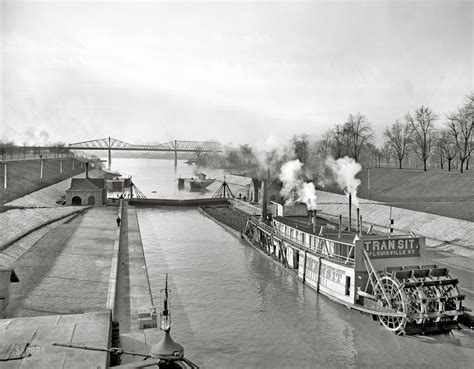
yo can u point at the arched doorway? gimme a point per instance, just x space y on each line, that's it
76 201
91 200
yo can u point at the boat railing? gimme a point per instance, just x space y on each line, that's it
322 249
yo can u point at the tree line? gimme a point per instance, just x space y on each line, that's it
419 137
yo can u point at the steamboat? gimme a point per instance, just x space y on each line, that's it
382 275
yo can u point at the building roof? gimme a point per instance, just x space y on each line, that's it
86 184
111 175
302 224
238 180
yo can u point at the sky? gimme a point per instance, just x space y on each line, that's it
236 72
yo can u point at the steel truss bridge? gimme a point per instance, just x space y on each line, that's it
175 146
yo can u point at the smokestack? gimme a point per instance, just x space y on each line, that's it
87 170
357 220
264 197
314 220
340 225
310 215
360 226
350 211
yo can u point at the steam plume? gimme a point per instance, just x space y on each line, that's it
308 195
271 153
345 170
294 188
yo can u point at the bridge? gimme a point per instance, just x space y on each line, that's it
110 144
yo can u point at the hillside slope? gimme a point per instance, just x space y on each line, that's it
449 194
24 176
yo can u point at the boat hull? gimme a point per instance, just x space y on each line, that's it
199 184
338 275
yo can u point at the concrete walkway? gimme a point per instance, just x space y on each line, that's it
133 293
91 329
68 270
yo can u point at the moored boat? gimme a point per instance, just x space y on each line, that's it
198 183
385 276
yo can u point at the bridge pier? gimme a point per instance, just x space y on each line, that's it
110 154
175 153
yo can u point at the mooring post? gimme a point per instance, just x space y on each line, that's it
175 153
5 178
41 168
60 166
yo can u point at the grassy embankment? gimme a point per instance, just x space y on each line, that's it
449 194
23 176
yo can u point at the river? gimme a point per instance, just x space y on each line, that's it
232 307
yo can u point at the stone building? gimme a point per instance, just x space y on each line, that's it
86 191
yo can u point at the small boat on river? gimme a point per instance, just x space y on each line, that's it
198 183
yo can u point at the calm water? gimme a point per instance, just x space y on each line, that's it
234 308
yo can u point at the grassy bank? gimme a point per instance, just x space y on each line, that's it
449 194
24 176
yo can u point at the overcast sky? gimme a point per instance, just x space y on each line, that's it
230 71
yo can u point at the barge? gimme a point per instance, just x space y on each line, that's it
384 276
198 183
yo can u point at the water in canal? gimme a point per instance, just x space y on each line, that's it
234 308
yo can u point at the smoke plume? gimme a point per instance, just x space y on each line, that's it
308 195
271 154
344 171
294 188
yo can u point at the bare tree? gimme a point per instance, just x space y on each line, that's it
300 145
422 124
324 145
358 132
461 125
370 155
246 151
447 147
398 136
387 152
338 136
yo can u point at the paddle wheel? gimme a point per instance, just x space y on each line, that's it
414 299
